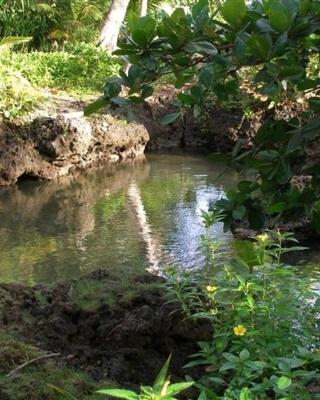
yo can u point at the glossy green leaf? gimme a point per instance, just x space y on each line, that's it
280 16
259 46
246 394
162 376
112 87
119 393
176 388
201 47
234 11
277 207
314 103
206 76
96 106
284 383
244 355
170 118
304 7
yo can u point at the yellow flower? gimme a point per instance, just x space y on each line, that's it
263 238
239 330
211 289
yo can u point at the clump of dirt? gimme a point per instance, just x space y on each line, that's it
126 342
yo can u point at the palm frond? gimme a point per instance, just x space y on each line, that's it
10 41
90 13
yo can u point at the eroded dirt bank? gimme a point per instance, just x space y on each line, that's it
111 334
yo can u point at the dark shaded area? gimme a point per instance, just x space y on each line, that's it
127 342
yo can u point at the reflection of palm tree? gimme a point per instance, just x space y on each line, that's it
152 246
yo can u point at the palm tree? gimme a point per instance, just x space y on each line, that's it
112 24
143 8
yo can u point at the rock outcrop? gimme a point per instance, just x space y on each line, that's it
55 146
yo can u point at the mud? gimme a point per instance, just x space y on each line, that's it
126 342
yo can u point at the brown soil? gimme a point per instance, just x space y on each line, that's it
126 343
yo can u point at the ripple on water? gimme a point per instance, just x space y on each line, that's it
117 217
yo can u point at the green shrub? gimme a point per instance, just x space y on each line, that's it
17 94
265 319
27 18
81 68
52 20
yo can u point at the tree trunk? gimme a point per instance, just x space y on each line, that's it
143 8
112 24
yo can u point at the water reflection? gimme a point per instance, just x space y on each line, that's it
136 216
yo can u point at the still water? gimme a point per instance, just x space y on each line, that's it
136 216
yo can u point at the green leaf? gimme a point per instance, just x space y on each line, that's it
206 76
227 365
112 87
216 380
170 118
314 103
200 12
162 376
186 99
259 46
245 250
10 41
130 116
246 394
244 354
315 216
96 106
239 212
203 396
201 47
230 357
120 393
147 91
144 31
178 388
132 20
277 207
280 45
307 84
304 7
280 16
283 382
234 11
120 101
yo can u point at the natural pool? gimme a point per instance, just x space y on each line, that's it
120 218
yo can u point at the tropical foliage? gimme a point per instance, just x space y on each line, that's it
162 389
53 20
265 323
80 68
265 327
209 51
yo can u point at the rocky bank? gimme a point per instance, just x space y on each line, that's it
56 141
54 146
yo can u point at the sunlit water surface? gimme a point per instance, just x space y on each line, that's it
141 215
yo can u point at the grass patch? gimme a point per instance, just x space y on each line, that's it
14 353
37 380
90 293
80 69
